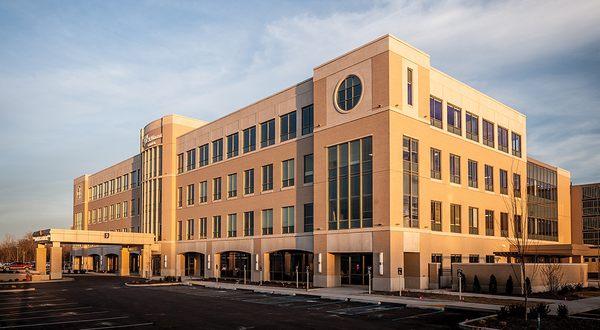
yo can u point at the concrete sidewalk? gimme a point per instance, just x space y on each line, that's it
351 294
577 306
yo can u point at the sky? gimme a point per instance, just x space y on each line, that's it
78 79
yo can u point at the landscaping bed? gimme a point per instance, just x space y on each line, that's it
569 292
478 300
548 322
289 285
163 281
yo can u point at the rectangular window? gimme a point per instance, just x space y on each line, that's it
179 230
217 226
267 177
436 164
409 86
232 225
250 139
504 224
217 146
267 222
502 139
517 184
454 120
287 219
489 178
472 127
308 217
490 259
125 209
473 258
288 126
518 224
232 185
249 181
473 220
204 155
455 218
308 168
180 163
489 222
436 215
203 228
126 181
346 177
516 144
203 192
472 175
233 145
410 166
217 189
191 159
119 184
267 133
287 173
190 194
307 119
488 133
503 182
455 258
436 258
249 223
454 168
435 112
190 229
179 196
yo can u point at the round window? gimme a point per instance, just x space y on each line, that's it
349 92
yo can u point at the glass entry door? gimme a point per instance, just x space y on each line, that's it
355 268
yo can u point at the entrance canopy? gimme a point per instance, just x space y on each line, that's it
71 236
550 250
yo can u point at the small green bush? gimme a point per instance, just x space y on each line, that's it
493 286
540 309
509 285
516 310
476 285
563 311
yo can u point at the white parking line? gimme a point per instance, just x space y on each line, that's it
37 306
64 322
47 310
37 301
417 315
122 326
65 314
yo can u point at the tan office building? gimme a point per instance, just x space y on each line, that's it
377 162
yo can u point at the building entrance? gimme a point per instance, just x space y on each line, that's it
354 268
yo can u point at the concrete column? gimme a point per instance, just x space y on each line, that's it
146 262
180 265
330 266
55 261
216 265
124 262
40 259
266 267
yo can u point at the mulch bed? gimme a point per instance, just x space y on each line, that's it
548 322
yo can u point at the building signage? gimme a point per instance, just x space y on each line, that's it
151 138
106 235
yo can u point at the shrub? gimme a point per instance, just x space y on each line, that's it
516 310
528 286
563 311
179 279
493 286
503 313
509 285
540 309
476 285
578 286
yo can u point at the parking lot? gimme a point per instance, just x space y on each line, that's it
103 302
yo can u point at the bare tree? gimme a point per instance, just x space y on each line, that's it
17 250
553 277
518 238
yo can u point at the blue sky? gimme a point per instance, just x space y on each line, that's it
78 79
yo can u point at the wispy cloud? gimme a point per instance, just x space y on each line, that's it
74 78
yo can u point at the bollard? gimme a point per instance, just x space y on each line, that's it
244 274
296 277
217 274
261 276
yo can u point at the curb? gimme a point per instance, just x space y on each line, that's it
17 290
154 284
464 325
